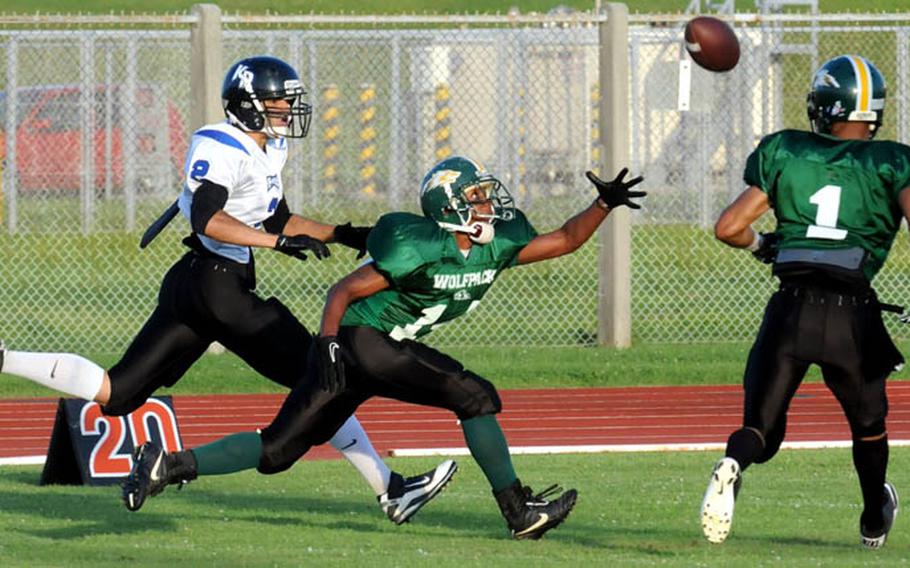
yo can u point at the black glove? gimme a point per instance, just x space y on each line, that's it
353 237
616 193
767 247
330 361
294 246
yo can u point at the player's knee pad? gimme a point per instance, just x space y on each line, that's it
478 397
872 428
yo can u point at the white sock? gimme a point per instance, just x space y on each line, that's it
64 372
356 447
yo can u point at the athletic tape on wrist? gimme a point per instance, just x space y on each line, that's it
755 244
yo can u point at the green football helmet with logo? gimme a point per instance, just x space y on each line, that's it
846 88
443 195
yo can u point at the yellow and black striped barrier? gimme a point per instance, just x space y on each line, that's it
442 129
331 132
595 129
366 156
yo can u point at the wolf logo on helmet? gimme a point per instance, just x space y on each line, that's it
846 88
461 196
252 81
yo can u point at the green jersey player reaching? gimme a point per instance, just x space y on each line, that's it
424 270
838 198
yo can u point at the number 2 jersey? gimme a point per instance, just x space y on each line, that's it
431 281
830 193
224 155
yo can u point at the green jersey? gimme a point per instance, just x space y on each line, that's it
830 193
431 281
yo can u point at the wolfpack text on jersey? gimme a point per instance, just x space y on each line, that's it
431 281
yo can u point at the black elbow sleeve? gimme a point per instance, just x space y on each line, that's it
207 200
275 224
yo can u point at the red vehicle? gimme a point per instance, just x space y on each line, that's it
49 138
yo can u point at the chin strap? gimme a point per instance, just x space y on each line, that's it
453 228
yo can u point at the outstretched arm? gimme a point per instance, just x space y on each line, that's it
284 222
298 225
574 233
207 217
227 229
577 230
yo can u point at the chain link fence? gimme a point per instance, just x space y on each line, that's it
94 125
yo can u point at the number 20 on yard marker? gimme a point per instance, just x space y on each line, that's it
106 459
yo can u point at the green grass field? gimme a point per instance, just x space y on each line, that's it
633 509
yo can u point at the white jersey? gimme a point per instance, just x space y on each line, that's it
224 155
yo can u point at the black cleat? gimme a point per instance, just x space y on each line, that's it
406 496
530 516
153 470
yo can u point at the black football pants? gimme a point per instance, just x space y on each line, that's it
844 335
205 299
408 371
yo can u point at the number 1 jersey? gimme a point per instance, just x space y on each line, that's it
830 193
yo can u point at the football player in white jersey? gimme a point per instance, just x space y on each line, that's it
233 199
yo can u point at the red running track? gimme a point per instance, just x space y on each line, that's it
583 419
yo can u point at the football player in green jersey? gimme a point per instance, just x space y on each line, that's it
424 270
838 198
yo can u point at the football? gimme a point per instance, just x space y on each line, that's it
712 43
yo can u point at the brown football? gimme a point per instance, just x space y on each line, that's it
712 43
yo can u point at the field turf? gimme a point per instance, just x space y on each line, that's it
633 509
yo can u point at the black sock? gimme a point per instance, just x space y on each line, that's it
871 461
744 445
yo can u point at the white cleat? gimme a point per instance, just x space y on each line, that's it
406 496
889 511
720 498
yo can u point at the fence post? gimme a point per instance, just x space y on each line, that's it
87 129
614 310
206 66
